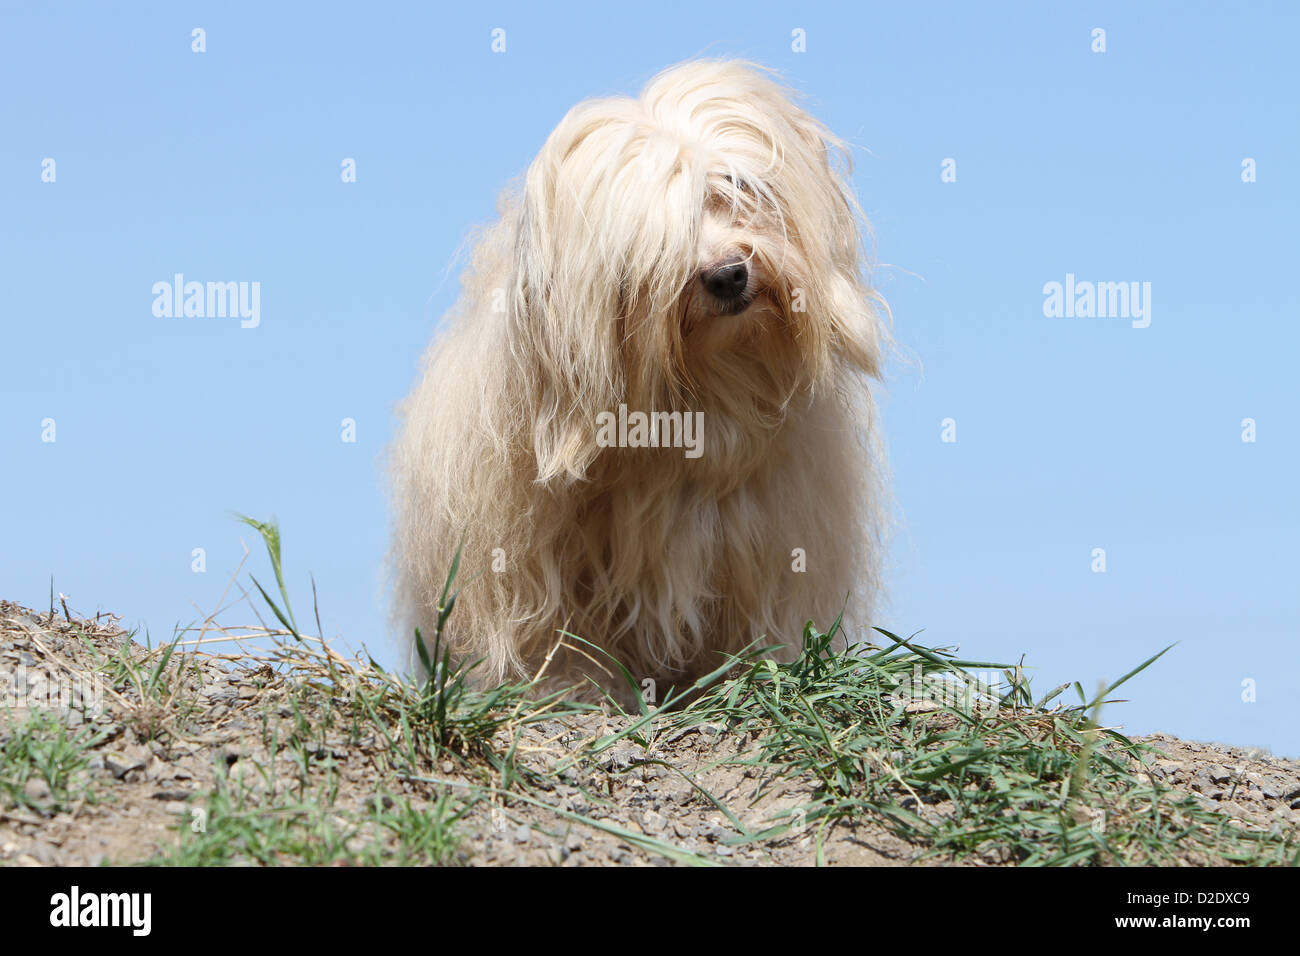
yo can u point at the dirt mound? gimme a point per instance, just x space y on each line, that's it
113 753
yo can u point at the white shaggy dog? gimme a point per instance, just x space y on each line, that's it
692 252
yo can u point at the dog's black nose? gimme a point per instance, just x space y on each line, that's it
727 281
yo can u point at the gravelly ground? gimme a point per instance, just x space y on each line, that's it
137 796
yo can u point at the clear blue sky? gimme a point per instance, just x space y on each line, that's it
1072 433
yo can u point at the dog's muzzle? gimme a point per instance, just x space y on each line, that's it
728 283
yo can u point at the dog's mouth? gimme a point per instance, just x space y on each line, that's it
706 311
735 306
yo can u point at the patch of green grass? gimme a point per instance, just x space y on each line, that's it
237 824
1001 777
43 747
158 686
415 722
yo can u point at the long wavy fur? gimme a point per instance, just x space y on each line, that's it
586 295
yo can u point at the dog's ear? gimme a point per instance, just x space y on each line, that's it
855 311
565 329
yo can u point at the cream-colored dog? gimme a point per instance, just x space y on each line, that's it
648 418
